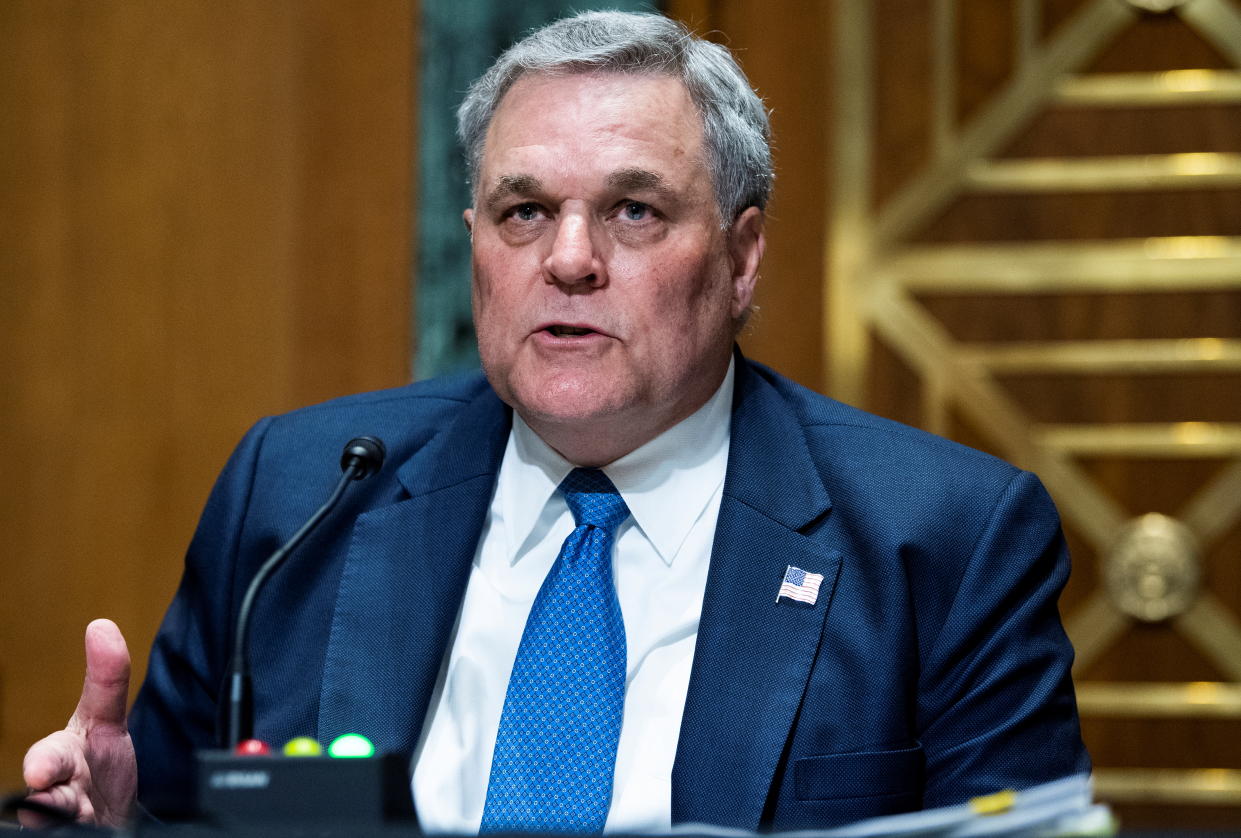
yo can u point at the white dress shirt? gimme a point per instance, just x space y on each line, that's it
672 485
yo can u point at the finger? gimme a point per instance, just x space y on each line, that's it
61 798
33 820
51 760
106 689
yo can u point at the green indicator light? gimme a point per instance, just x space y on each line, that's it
302 746
351 745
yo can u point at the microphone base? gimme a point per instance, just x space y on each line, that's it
239 791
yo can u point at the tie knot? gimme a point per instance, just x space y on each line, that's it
593 499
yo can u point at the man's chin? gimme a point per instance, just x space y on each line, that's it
566 413
575 397
591 434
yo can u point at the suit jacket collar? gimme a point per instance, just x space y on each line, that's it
768 441
471 446
403 580
753 655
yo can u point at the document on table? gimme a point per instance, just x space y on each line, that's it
1058 809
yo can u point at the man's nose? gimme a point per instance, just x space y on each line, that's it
574 257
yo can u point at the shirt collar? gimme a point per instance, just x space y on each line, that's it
666 483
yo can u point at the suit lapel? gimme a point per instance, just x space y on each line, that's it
753 656
403 580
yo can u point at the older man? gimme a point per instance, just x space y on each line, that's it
629 579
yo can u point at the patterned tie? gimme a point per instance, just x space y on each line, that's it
556 746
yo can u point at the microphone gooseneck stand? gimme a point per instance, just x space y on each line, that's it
362 457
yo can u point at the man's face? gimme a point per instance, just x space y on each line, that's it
605 291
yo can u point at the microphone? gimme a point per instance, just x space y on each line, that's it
364 454
362 457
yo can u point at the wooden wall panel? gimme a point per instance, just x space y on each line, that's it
207 219
905 88
784 57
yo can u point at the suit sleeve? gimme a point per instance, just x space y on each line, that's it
176 711
996 706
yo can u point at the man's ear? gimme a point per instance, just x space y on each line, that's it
746 243
468 218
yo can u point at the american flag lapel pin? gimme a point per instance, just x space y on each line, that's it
800 586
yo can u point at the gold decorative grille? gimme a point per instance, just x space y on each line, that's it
882 279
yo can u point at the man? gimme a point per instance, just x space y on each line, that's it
914 656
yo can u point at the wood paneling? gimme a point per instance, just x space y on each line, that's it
905 88
783 56
207 219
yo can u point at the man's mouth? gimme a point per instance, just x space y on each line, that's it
560 331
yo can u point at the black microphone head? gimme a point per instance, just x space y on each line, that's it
365 454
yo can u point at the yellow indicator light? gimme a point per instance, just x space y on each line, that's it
302 746
351 745
994 804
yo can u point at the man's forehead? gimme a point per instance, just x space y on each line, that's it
543 105
614 130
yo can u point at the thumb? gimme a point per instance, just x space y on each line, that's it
106 689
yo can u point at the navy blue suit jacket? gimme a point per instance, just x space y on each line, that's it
933 666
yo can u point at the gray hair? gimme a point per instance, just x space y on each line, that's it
736 132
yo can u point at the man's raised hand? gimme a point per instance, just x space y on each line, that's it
88 768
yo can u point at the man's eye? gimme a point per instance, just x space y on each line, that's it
525 212
635 211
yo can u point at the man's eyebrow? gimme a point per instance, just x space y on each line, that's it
640 179
513 185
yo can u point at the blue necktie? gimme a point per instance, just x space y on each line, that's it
556 747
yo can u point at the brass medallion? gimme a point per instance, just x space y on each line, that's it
1152 570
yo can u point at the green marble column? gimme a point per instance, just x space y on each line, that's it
459 39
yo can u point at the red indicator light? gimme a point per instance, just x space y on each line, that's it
253 748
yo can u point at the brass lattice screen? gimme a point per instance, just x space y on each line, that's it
1148 561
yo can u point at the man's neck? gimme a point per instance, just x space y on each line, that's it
603 442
